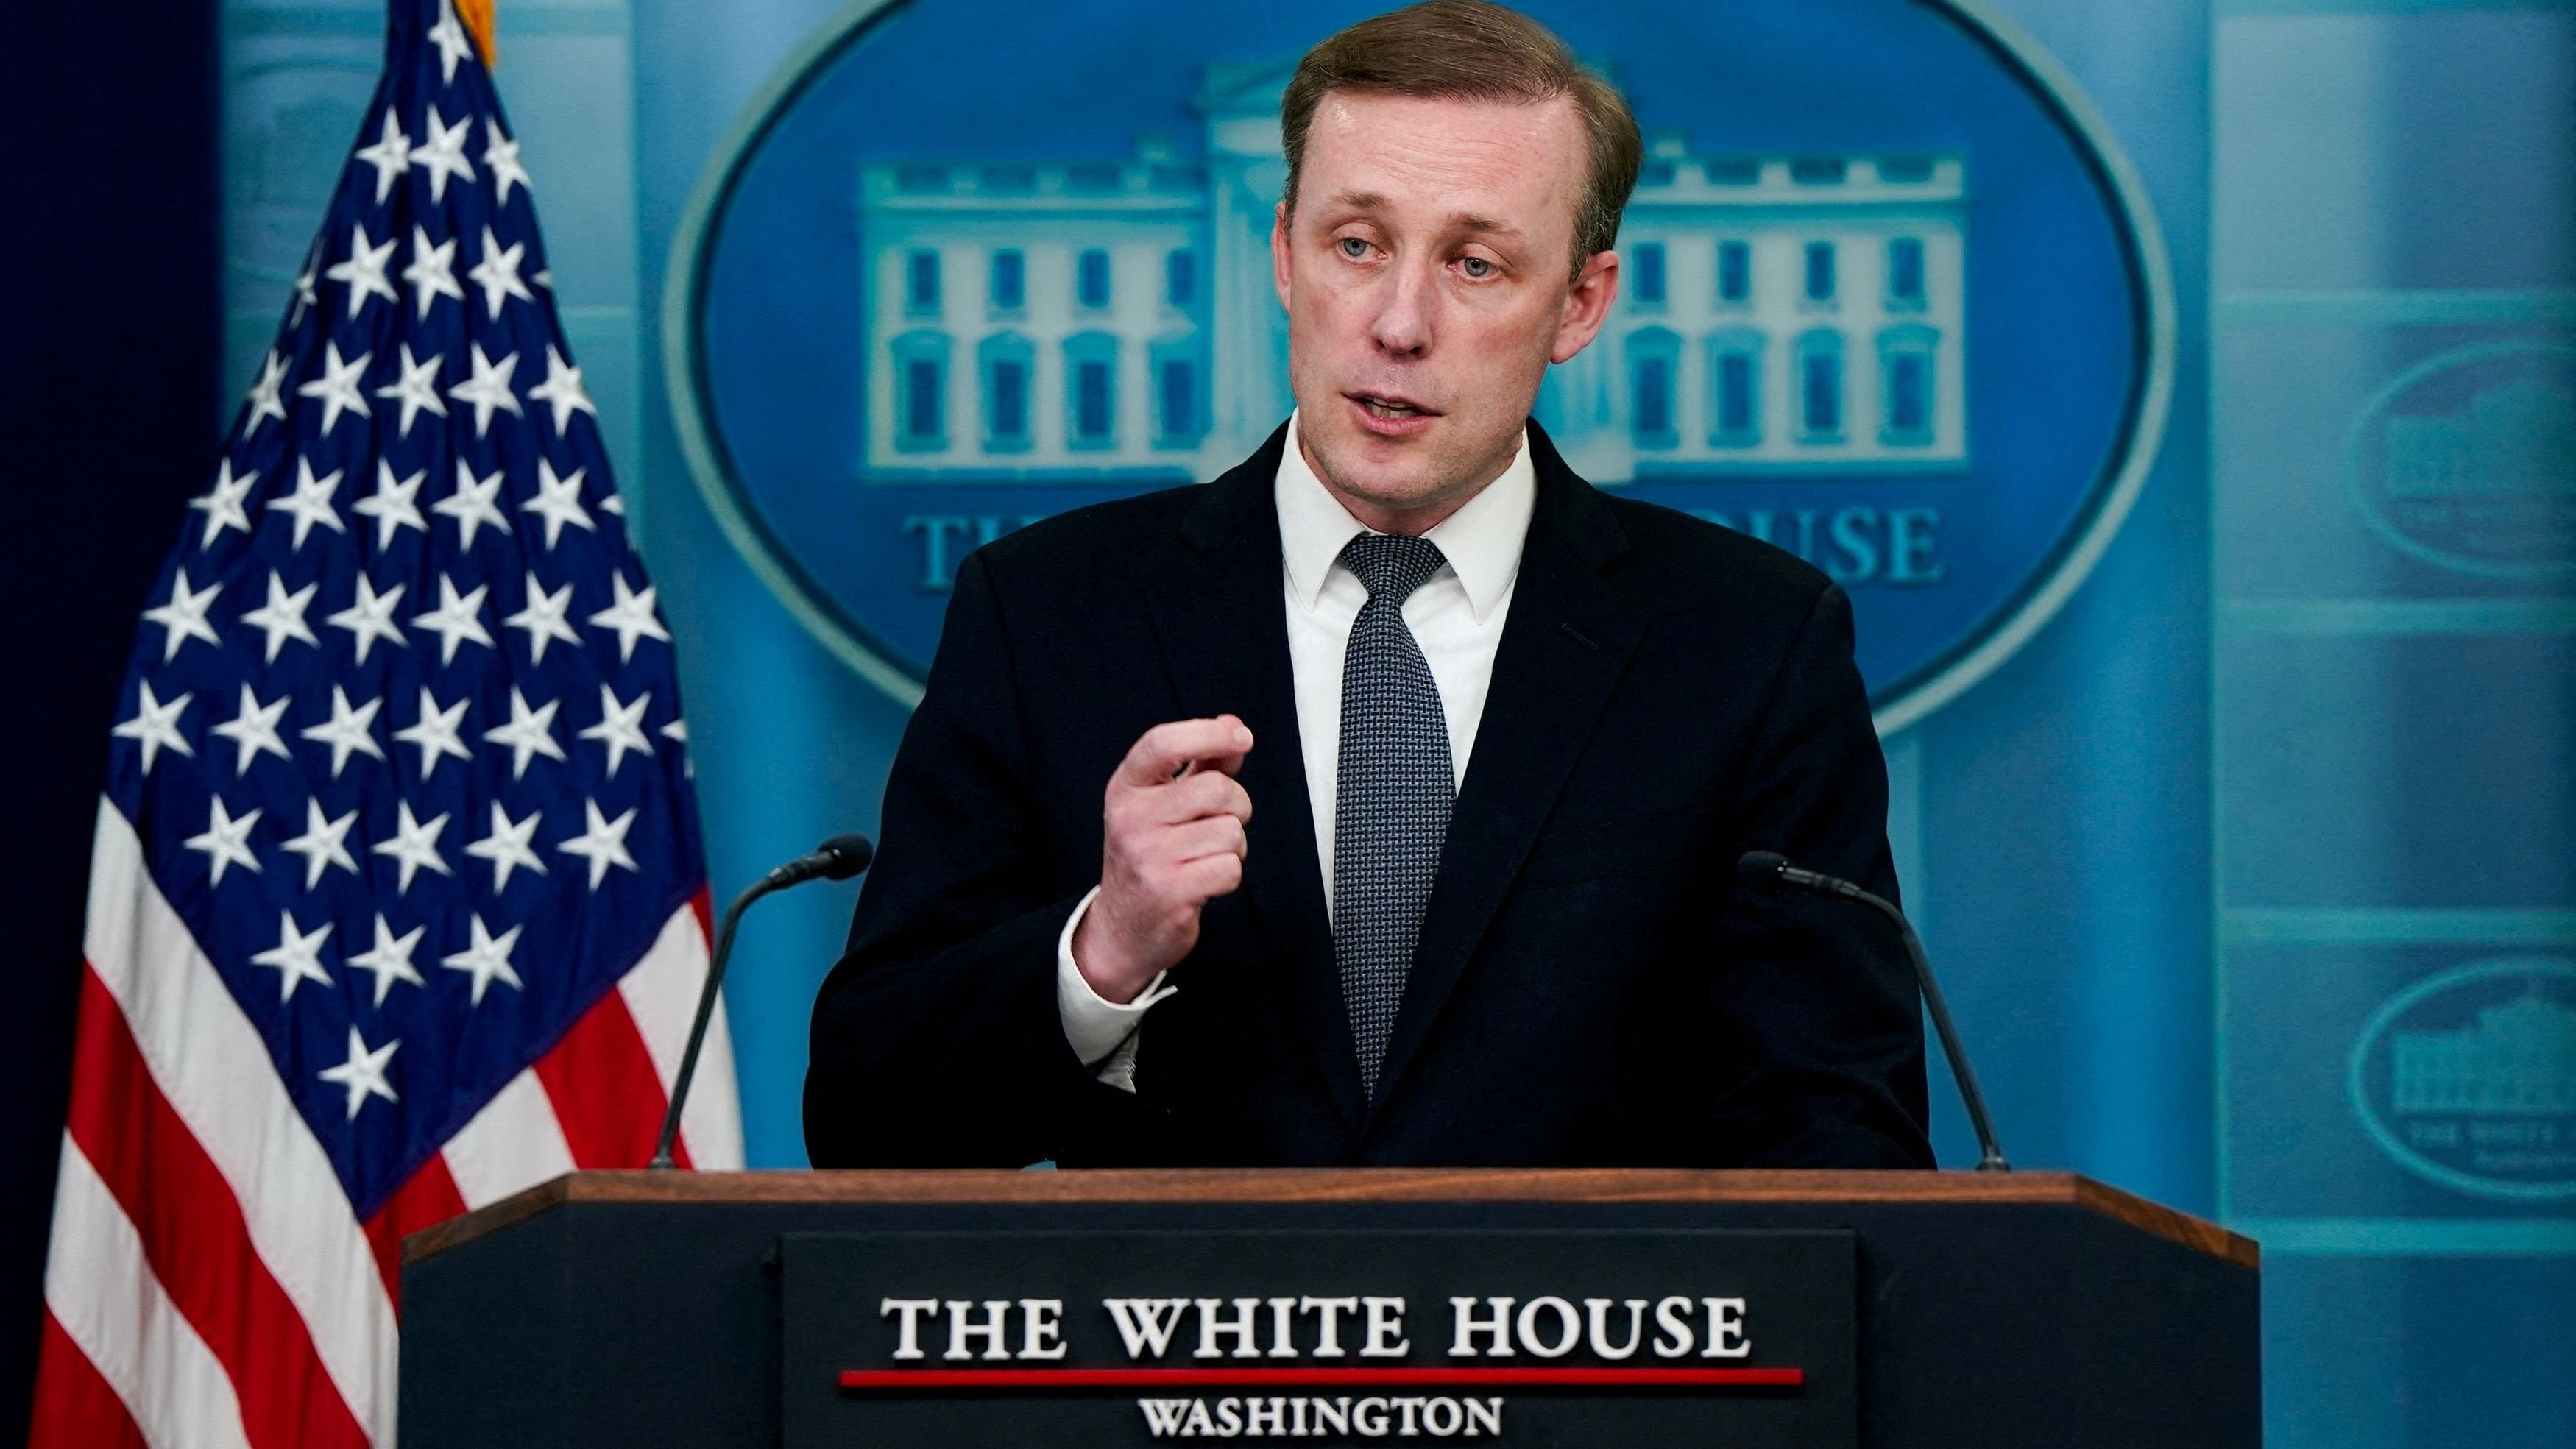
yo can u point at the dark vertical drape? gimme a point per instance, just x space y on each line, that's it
110 334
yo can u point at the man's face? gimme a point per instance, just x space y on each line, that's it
1427 277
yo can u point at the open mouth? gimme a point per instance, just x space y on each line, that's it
1391 409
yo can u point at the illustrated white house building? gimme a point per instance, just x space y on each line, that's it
2519 1060
1102 319
2512 440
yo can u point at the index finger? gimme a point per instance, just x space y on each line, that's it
1163 752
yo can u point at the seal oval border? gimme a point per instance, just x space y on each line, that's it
2357 439
2394 1009
2114 493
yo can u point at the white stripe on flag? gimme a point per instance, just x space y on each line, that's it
662 995
217 1074
514 1143
104 1295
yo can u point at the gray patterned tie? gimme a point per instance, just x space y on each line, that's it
1396 787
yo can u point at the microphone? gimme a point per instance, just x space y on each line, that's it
1768 871
838 858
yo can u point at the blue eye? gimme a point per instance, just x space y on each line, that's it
1477 266
1353 247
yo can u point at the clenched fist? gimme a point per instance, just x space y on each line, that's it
1172 840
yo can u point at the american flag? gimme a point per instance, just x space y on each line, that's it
397 900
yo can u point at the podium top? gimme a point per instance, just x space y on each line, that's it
1336 1184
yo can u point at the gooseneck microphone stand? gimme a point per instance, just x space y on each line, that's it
1767 870
838 858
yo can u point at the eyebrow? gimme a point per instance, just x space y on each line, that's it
1461 221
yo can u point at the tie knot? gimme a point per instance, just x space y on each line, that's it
1392 566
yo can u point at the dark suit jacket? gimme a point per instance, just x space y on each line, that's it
1591 987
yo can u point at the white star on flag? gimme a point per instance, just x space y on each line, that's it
306 298
441 153
310 503
530 732
498 273
631 617
282 617
338 388
222 504
370 617
415 844
456 619
501 154
603 844
254 730
472 505
508 846
677 731
452 45
391 156
364 1072
562 390
184 616
544 619
390 959
435 733
225 840
348 731
432 272
266 395
155 725
297 956
620 727
364 271
486 960
324 843
415 386
558 501
391 505
487 389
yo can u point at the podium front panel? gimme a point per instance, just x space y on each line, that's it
645 1310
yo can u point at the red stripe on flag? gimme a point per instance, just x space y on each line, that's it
605 1092
75 1408
195 1238
428 1199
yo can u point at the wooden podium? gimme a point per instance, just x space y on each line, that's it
753 1309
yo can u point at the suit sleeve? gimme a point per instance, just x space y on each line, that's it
1824 1067
936 1039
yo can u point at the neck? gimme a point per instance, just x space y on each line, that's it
1412 522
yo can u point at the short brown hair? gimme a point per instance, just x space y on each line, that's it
1474 50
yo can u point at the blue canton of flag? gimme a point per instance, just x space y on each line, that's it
402 737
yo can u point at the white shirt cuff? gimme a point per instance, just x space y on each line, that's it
1101 1032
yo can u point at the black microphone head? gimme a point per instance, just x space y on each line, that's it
850 854
1761 869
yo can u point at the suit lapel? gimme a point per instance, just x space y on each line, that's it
1222 621
1564 647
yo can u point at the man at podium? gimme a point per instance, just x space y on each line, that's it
1378 801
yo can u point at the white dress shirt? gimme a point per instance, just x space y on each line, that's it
1457 618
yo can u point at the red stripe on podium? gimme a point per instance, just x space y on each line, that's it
1182 1378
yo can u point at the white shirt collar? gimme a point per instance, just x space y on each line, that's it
1482 540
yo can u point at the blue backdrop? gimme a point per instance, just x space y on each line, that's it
2250 873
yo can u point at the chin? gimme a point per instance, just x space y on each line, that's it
1396 476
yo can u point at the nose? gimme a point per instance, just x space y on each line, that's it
1402 326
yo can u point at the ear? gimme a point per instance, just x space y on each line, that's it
1587 306
1279 219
